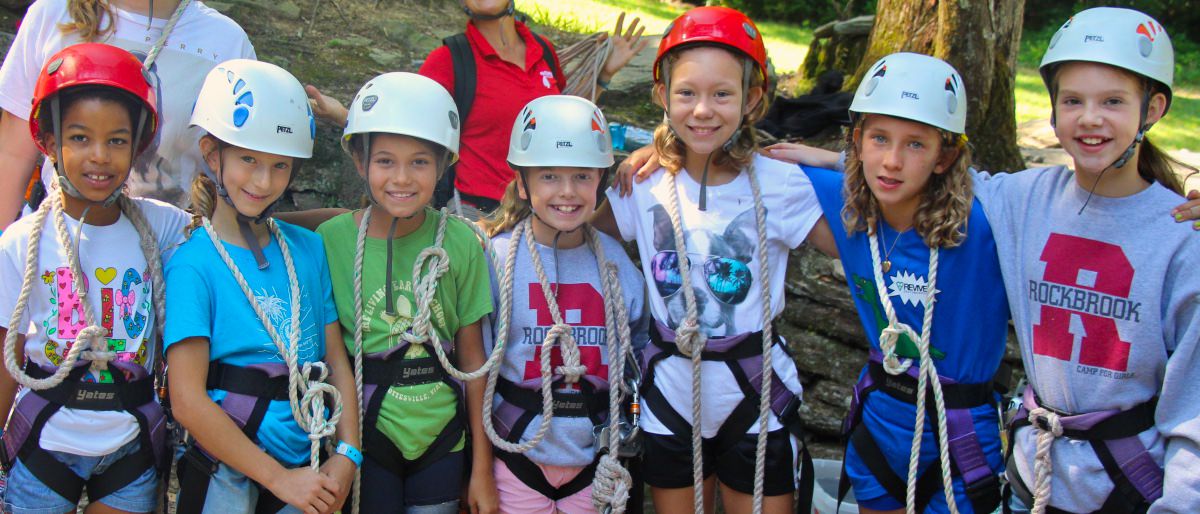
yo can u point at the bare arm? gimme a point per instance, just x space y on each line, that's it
18 157
339 467
481 492
604 220
221 437
821 237
311 219
8 385
797 153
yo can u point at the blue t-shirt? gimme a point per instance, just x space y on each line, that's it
205 301
970 323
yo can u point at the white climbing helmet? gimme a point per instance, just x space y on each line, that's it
257 106
914 87
1123 38
407 104
560 130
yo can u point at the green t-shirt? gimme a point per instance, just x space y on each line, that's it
410 416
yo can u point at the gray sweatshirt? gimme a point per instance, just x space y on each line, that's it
580 299
1107 308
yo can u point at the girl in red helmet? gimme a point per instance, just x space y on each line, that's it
80 330
714 226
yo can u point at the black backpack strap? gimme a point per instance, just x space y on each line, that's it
547 55
463 60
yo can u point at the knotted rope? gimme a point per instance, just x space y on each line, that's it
612 484
91 342
926 375
1043 465
306 396
571 369
691 342
424 290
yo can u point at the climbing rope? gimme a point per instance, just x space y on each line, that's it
91 342
926 375
691 342
571 370
152 56
306 395
612 483
424 289
582 63
1042 465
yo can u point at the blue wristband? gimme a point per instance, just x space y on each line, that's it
352 453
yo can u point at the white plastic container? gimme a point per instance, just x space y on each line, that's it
825 490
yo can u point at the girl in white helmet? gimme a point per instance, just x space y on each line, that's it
913 240
410 285
258 368
1104 305
570 298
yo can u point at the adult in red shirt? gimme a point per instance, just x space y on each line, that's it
510 71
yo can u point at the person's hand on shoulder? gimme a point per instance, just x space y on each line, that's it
1189 211
326 107
637 167
625 45
797 153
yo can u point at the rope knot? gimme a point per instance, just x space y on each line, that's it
611 486
889 337
571 369
1046 420
688 337
95 349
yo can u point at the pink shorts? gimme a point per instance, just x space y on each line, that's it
516 497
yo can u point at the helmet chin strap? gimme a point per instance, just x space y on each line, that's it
1129 151
243 220
557 233
508 11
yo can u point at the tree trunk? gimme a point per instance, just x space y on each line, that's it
980 38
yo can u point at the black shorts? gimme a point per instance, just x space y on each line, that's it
667 462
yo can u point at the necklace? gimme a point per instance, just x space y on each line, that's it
887 262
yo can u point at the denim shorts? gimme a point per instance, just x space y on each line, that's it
229 490
26 494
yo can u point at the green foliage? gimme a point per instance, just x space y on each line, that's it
804 12
1180 17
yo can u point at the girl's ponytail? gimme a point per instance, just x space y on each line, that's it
87 17
204 198
1155 165
511 211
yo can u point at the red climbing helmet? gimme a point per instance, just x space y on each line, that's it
94 64
714 24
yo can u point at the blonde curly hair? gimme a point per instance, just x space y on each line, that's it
671 150
941 217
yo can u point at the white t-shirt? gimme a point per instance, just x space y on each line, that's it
202 38
119 296
722 243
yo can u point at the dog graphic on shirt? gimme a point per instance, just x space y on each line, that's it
726 260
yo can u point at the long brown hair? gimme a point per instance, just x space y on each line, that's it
941 217
671 150
87 17
513 209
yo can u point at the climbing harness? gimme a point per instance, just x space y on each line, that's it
132 390
741 353
1113 435
250 389
611 482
